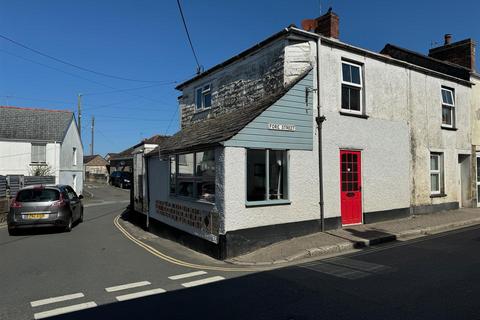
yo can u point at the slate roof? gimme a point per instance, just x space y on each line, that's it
156 139
123 155
96 160
210 132
426 61
34 124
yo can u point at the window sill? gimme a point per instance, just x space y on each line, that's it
265 203
192 200
44 164
356 115
203 110
449 128
439 195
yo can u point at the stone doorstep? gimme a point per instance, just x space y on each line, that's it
357 242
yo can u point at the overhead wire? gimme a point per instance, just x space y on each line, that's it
74 65
199 68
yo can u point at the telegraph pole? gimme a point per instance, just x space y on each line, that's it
79 109
93 132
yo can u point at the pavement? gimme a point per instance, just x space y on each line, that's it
348 239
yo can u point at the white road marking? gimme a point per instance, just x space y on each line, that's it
88 205
187 275
202 281
56 299
127 286
56 312
140 294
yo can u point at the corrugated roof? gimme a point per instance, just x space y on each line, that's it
34 124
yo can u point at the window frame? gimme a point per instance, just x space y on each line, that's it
44 154
352 84
439 172
204 91
448 105
74 156
195 179
267 201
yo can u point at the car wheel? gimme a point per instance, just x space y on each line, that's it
80 220
69 225
12 232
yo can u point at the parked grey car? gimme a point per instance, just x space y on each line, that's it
45 206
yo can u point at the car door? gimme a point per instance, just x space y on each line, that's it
74 202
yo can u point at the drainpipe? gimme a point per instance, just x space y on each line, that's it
320 119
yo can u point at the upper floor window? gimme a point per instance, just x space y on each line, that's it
351 87
203 97
39 153
74 156
448 107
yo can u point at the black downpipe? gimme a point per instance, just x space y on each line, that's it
320 119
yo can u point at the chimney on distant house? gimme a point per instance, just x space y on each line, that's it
460 52
326 25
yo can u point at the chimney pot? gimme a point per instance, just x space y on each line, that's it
448 38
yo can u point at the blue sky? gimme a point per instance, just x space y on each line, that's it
145 40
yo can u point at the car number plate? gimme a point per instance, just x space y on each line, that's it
34 216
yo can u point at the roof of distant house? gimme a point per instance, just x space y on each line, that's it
34 124
125 154
156 139
96 160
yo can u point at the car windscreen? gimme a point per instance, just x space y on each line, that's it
38 195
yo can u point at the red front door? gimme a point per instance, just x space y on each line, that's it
351 186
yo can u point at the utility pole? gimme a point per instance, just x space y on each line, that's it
93 132
79 109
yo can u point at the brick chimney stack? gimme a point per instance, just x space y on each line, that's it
326 25
460 52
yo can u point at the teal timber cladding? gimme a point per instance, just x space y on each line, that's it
291 109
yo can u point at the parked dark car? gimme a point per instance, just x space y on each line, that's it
45 206
121 179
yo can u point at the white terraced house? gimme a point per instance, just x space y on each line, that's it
303 132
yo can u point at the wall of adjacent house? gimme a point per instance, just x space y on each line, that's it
403 126
16 156
71 173
476 111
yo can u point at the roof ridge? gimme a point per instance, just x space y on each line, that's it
35 109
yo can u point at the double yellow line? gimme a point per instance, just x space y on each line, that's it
167 258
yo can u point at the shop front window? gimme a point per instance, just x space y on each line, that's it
194 175
267 175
